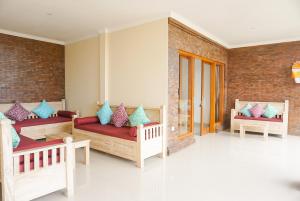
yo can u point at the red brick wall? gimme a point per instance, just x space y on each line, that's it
30 70
183 38
262 73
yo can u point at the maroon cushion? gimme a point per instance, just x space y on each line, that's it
17 112
68 114
28 143
259 118
31 167
119 118
110 130
133 130
35 122
86 120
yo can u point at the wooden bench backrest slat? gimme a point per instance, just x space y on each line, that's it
59 105
152 113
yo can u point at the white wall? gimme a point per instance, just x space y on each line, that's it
82 75
138 65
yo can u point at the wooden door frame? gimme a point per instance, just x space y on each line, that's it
222 95
213 63
191 65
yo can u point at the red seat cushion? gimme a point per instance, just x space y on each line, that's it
27 143
259 118
110 130
35 122
92 124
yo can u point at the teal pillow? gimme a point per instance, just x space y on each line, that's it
138 117
270 111
15 136
44 110
245 110
105 113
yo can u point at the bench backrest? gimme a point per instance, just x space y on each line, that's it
59 105
154 114
282 107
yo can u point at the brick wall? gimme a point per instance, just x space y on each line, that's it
263 73
183 38
30 70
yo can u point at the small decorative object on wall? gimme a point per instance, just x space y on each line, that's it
296 72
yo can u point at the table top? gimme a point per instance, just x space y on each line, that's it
64 135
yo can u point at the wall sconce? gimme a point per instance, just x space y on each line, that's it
296 72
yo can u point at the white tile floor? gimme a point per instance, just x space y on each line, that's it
217 167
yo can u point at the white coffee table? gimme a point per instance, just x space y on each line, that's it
254 127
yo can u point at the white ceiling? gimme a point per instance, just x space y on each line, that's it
233 23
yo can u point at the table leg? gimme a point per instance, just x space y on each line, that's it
74 159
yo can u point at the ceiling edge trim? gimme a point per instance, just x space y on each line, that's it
33 37
270 42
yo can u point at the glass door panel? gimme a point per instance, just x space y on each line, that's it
206 79
219 95
197 96
185 123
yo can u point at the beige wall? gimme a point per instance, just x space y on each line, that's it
138 65
82 76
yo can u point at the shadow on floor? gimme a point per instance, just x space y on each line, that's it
294 185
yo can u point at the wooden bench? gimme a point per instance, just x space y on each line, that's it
151 140
277 125
34 172
40 131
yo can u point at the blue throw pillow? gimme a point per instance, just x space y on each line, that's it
105 113
13 132
245 110
138 117
44 110
270 111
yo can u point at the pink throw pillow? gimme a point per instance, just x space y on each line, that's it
257 111
17 112
119 118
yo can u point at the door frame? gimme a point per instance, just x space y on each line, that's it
213 63
191 65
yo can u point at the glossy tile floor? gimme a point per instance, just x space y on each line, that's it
217 167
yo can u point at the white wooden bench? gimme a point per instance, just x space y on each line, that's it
277 125
151 140
40 131
34 180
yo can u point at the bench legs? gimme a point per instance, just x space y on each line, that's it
242 131
140 163
266 132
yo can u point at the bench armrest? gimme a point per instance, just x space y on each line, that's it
233 113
